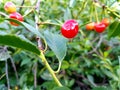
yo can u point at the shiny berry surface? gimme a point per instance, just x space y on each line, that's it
16 16
90 26
70 29
99 27
105 21
10 7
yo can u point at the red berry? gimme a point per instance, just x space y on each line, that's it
105 21
90 26
70 29
99 27
16 16
10 7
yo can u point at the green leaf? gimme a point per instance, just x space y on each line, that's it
65 65
57 43
67 14
61 88
91 80
114 29
15 41
27 26
72 3
100 88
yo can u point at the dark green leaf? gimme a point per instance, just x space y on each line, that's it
57 43
15 41
114 29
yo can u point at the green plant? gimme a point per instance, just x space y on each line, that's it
35 56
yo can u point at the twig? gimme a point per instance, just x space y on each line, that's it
98 45
21 5
12 61
7 77
39 42
14 67
2 76
35 75
26 6
106 7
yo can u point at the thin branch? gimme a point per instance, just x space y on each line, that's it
14 67
39 42
12 61
7 77
35 74
21 5
2 76
97 46
106 7
26 6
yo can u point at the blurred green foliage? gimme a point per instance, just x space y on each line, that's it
82 68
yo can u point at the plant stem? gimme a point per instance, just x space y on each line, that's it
2 76
82 7
7 77
96 15
113 12
35 74
50 69
42 23
58 68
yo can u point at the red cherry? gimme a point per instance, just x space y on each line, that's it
105 21
16 16
70 29
90 26
99 27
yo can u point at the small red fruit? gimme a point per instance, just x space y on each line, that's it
90 26
70 29
99 27
16 16
105 21
10 7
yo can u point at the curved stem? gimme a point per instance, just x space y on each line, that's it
45 49
50 69
82 33
58 68
113 12
42 23
25 6
2 76
29 12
